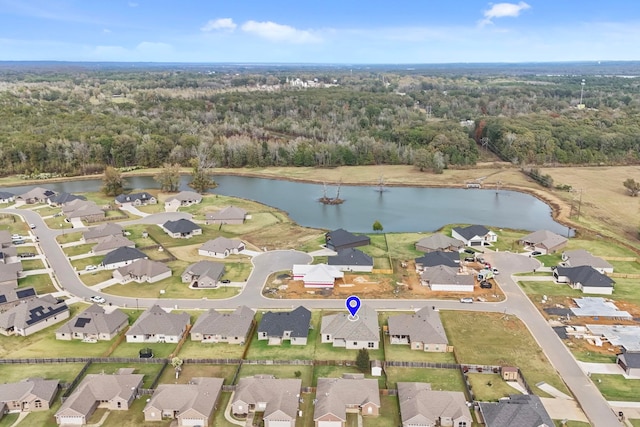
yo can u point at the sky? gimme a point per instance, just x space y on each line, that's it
329 31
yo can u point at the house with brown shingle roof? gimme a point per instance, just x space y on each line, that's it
439 242
230 327
277 398
337 396
422 330
142 270
157 325
445 278
422 407
84 210
221 247
32 316
228 215
342 330
110 243
544 241
36 195
189 404
95 234
29 395
583 258
114 392
94 324
184 198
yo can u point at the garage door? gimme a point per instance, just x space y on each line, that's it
329 424
278 424
193 422
77 421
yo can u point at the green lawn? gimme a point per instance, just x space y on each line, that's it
600 247
389 414
151 209
32 264
198 350
489 387
198 370
626 290
63 372
81 264
260 349
219 419
403 245
617 388
440 379
47 210
505 342
258 221
279 371
69 237
160 350
149 370
78 250
163 239
40 282
550 260
13 224
536 289
329 352
404 353
634 423
313 243
9 419
338 371
96 276
58 223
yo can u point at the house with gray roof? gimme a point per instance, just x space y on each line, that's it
518 410
113 392
421 330
11 295
142 270
95 234
278 399
9 255
629 362
63 198
342 239
85 210
474 235
189 404
157 325
136 199
585 278
5 239
422 407
35 195
278 326
337 396
181 228
351 259
221 247
6 197
10 273
342 330
94 324
543 241
110 243
228 215
122 256
203 274
439 242
449 279
432 259
581 257
29 395
184 198
33 315
219 326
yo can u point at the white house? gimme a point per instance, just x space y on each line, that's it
317 275
156 325
474 235
444 278
221 247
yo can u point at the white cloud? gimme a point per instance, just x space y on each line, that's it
503 10
133 4
219 24
279 33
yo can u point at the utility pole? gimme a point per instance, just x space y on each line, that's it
580 203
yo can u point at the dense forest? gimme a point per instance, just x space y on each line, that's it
72 119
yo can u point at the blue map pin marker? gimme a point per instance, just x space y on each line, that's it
353 305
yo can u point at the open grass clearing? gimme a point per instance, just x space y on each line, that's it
78 249
389 415
13 224
403 245
279 371
617 388
283 235
96 276
40 282
489 387
65 372
260 349
258 221
627 290
600 247
550 260
160 350
398 352
506 341
9 419
32 264
330 371
74 236
440 379
198 350
48 210
634 423
537 289
626 267
58 223
81 264
312 243
193 370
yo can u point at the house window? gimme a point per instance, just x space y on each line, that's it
371 345
38 404
328 337
355 343
119 405
462 424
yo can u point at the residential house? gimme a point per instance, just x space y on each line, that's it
351 260
585 278
629 361
29 395
6 197
221 247
421 330
94 324
183 198
189 404
9 255
110 243
181 228
156 325
84 210
142 270
228 215
439 242
9 273
524 410
33 315
341 239
444 278
338 396
11 295
97 233
35 195
5 239
285 325
435 258
343 330
317 275
422 407
474 235
581 257
113 392
543 241
229 327
122 256
203 274
136 199
277 399
63 198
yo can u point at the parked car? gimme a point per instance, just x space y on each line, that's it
485 285
17 241
470 251
32 226
26 255
91 267
98 299
466 300
496 271
470 259
16 237
225 281
535 253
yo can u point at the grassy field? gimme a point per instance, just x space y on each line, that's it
489 387
505 342
197 350
78 250
9 419
190 371
126 349
440 379
389 414
617 388
69 237
280 371
96 276
63 372
40 282
537 289
13 224
338 371
81 264
172 287
32 264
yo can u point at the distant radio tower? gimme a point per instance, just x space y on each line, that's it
581 105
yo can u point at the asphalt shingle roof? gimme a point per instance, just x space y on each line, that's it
296 321
586 275
123 254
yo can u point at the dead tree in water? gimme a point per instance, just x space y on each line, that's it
331 200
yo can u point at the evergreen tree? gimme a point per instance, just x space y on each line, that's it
201 181
362 361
